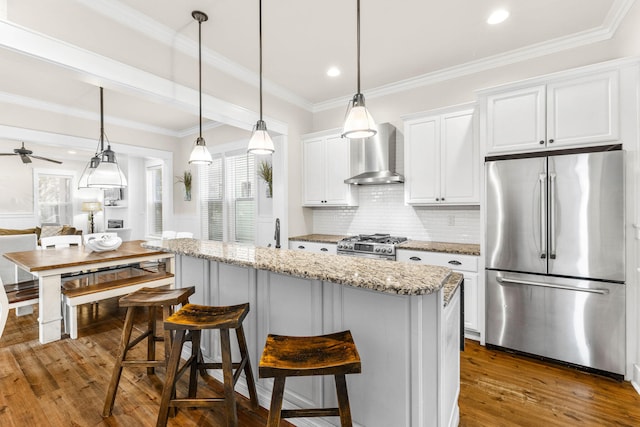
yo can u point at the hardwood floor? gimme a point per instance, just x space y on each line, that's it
64 383
501 389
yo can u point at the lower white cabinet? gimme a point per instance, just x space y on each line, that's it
315 247
467 265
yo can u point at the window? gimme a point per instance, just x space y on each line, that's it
154 200
227 198
55 202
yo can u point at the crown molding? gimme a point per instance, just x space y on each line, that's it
134 20
604 32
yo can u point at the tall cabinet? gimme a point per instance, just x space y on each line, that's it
326 163
442 166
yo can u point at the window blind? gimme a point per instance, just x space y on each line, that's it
55 199
227 198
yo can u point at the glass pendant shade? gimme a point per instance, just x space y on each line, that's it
359 123
107 174
84 178
200 155
260 142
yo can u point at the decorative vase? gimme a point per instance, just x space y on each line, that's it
269 192
187 195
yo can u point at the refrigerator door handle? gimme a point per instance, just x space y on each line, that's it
552 215
503 280
543 215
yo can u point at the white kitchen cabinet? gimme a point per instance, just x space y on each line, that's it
441 158
561 113
326 163
315 247
467 265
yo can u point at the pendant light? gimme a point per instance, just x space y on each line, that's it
260 142
103 170
359 123
200 155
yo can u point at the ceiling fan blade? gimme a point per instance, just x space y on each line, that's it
8 154
25 158
48 160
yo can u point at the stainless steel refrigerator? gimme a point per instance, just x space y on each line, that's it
555 256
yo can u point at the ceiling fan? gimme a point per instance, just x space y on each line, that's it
27 155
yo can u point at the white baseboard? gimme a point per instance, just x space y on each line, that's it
635 381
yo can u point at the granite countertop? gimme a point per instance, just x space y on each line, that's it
379 275
319 238
450 248
415 245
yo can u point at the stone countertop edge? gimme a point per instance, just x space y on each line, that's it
379 275
318 238
445 247
452 284
416 245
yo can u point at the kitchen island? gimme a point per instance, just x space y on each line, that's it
405 320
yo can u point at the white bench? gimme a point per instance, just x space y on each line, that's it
74 297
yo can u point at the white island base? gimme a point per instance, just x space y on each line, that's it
409 344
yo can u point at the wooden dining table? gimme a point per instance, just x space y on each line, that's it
48 265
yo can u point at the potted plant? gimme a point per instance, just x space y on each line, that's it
186 180
265 171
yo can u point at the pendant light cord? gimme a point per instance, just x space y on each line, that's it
358 41
260 40
200 71
101 122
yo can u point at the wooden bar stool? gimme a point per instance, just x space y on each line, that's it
285 356
194 318
152 298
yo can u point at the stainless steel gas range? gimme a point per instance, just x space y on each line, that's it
379 246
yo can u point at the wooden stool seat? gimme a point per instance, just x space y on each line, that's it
152 298
193 319
286 356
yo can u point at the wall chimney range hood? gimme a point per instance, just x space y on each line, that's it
376 158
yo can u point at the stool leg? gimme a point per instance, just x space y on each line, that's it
343 401
276 402
193 369
227 371
151 339
248 373
167 310
117 368
170 380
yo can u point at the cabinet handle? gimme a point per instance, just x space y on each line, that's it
324 249
437 199
455 262
301 247
415 258
442 200
542 142
551 141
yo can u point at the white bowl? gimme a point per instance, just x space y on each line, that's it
103 243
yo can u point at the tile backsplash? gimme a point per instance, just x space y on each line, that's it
382 210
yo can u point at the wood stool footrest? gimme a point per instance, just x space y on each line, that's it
199 402
137 340
311 412
145 363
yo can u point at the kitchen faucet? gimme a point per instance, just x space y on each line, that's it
277 234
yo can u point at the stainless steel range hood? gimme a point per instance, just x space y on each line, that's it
376 158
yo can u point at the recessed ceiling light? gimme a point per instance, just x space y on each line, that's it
497 17
71 152
333 72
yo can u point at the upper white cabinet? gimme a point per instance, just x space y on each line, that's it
326 164
441 157
561 113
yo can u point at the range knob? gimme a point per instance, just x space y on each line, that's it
377 249
389 250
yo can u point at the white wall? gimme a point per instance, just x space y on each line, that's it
382 210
